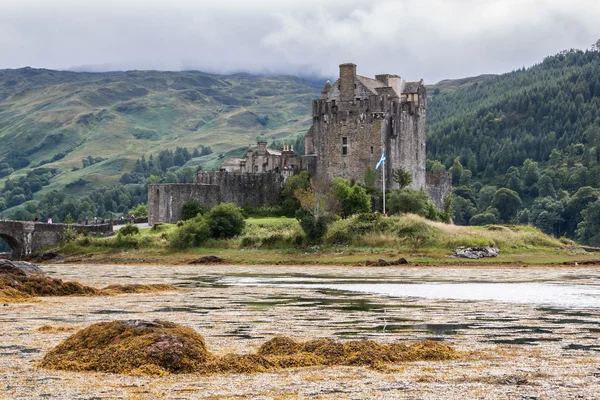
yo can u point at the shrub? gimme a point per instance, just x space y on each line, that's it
290 204
483 219
264 211
125 241
192 208
141 210
352 197
129 229
314 228
191 233
408 201
225 221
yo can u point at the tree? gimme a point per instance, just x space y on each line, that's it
319 205
546 214
486 194
457 170
225 221
437 167
576 204
290 203
507 202
465 178
68 219
588 230
463 210
402 177
483 219
193 208
408 201
545 186
370 177
353 199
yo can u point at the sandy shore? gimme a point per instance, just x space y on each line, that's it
511 351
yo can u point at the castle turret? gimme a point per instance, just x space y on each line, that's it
347 81
325 91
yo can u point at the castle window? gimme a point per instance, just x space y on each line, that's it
344 145
344 140
371 149
256 169
355 86
344 151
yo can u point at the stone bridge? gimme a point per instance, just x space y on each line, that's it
26 238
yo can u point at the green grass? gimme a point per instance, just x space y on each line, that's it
280 241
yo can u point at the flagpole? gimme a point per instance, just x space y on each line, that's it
383 186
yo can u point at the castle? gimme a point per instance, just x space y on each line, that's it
356 120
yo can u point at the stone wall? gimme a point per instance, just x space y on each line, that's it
438 186
166 201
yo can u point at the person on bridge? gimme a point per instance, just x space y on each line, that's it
87 221
49 220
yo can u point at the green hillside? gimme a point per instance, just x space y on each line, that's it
535 132
57 118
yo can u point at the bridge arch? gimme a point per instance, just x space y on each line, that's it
15 245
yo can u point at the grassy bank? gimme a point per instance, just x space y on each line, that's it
350 241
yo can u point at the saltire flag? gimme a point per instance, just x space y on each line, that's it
381 160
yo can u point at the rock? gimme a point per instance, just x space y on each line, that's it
590 262
382 263
19 267
45 256
207 260
477 252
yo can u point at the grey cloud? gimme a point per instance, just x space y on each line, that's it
430 39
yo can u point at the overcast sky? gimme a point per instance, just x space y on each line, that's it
429 39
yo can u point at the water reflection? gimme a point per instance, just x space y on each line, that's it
524 293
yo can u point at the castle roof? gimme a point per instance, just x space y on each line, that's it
411 87
273 152
233 162
370 83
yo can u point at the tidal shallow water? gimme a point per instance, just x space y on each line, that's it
560 295
526 333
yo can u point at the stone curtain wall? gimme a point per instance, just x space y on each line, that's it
438 186
166 201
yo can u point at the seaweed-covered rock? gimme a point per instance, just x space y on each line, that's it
158 347
382 263
207 260
131 345
21 281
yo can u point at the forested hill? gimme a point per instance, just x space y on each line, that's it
506 119
535 131
58 118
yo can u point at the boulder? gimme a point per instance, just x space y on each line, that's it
382 263
19 268
476 252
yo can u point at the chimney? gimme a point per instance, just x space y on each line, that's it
395 82
261 148
347 81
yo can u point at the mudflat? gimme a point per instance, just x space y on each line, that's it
513 344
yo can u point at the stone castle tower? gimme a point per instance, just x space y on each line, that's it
359 117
